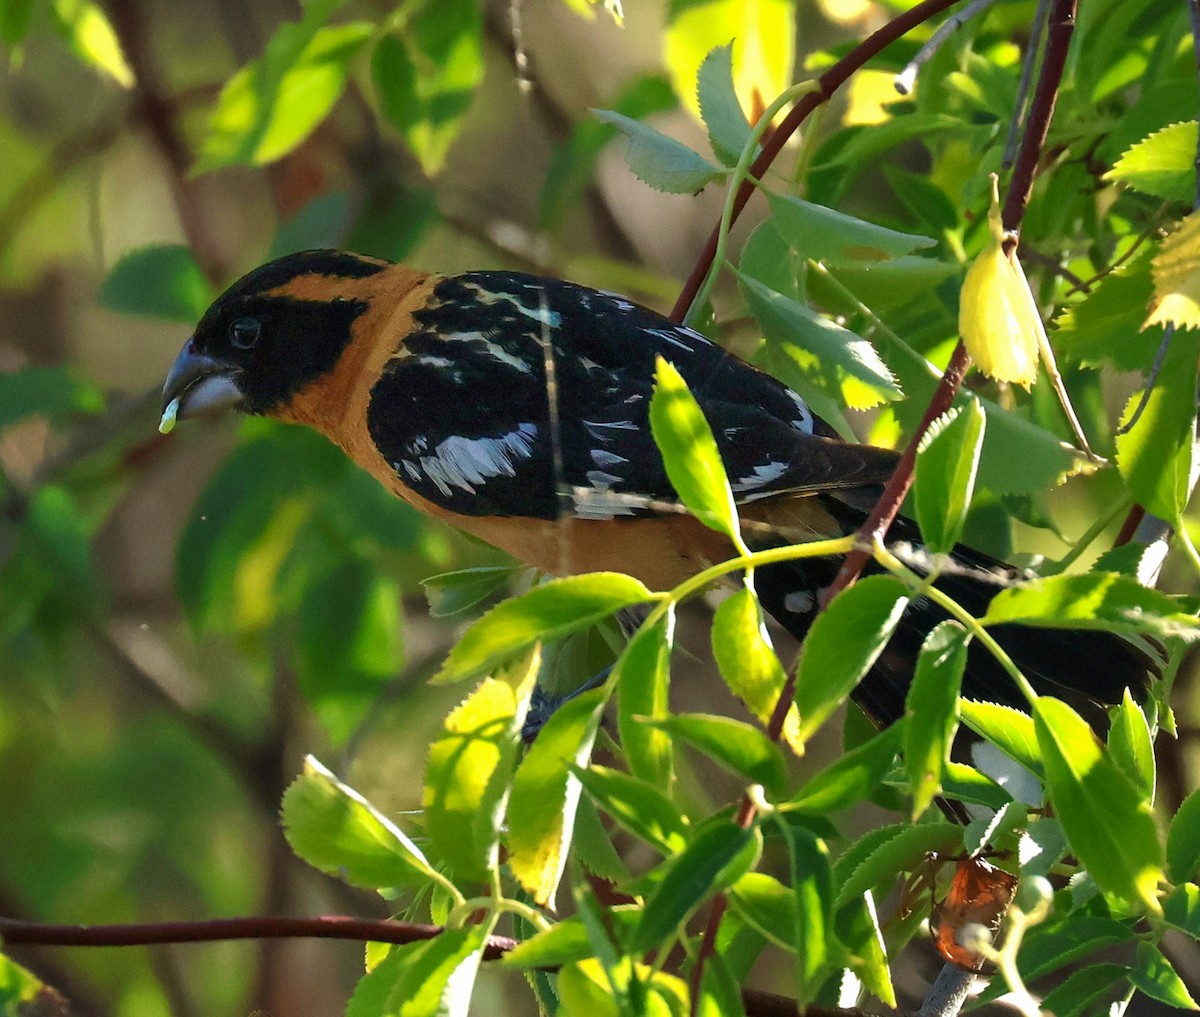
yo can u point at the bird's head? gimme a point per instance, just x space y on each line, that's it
271 333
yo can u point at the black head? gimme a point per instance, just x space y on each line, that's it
271 333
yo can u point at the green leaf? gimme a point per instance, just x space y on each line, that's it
1105 327
747 660
967 784
817 949
1047 949
735 745
567 941
1182 909
767 906
1009 730
720 852
544 613
454 592
857 925
851 779
947 460
430 979
92 38
1095 600
642 676
1162 165
1132 747
827 235
1153 974
161 281
901 851
931 708
46 391
728 129
636 805
323 222
1109 825
426 76
663 163
842 645
470 765
768 260
541 807
23 995
689 452
272 104
839 363
1183 840
1155 454
1082 990
333 828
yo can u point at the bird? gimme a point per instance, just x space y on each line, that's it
516 407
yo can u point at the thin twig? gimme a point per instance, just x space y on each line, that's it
907 78
1040 17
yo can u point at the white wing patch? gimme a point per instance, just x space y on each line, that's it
760 476
494 350
467 463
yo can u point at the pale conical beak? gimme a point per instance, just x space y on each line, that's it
197 384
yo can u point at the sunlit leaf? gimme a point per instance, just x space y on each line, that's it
902 850
854 777
1153 974
768 906
333 828
469 768
1162 165
431 978
544 613
689 451
1009 730
1183 841
735 745
723 116
827 235
1132 747
566 941
816 945
541 808
92 38
454 592
947 462
1177 277
1109 824
637 805
642 675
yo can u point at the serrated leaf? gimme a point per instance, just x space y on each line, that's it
1182 909
857 925
1183 841
1096 600
659 161
735 745
333 828
1107 325
842 645
767 906
1155 454
471 762
427 74
161 281
689 452
452 593
1177 277
274 102
1153 974
1009 730
544 613
567 941
762 32
843 365
1132 746
46 391
747 660
1109 825
851 779
900 852
1162 165
637 805
642 675
724 119
1082 990
429 979
931 709
719 853
827 235
817 950
1047 949
947 462
541 807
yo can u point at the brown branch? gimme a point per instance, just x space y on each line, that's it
826 85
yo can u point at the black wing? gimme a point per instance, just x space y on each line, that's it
471 418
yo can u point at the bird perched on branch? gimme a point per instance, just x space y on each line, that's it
516 408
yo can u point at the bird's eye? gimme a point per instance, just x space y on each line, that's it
244 332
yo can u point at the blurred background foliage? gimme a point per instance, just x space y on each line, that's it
182 618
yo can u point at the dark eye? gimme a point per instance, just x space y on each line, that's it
244 332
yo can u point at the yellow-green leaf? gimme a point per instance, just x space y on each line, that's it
1162 165
1177 277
